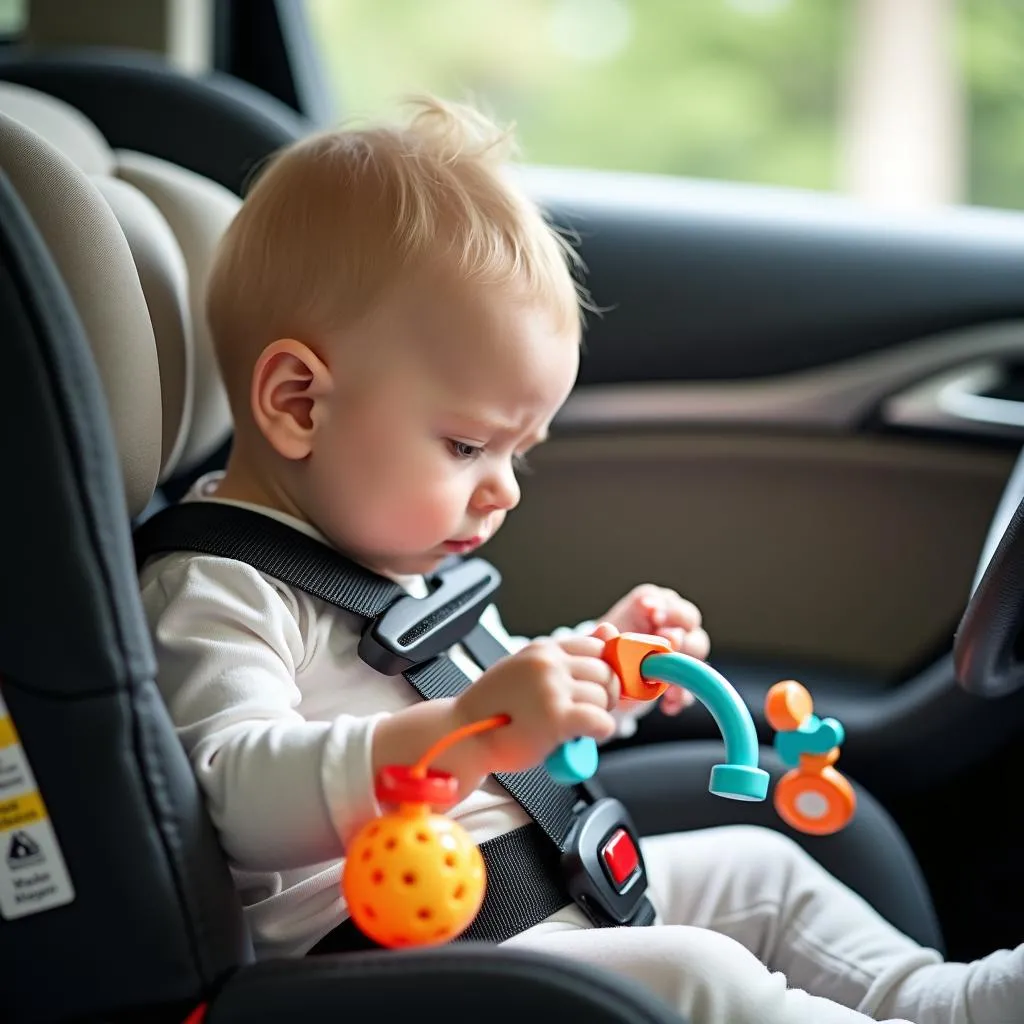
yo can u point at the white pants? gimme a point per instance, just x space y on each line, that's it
751 930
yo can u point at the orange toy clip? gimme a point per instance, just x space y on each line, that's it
625 653
813 797
414 877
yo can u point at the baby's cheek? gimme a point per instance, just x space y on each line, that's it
421 520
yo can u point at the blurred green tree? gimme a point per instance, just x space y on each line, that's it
740 90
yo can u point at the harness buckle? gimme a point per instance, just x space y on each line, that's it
604 868
415 629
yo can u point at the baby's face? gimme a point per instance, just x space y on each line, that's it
416 458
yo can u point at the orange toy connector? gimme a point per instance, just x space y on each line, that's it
625 653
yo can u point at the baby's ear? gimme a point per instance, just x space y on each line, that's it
289 378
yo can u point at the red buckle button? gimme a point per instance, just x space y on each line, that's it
620 856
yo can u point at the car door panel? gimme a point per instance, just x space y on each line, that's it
897 386
851 551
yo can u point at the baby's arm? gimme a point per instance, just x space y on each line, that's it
282 791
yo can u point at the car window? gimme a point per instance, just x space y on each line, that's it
912 104
12 18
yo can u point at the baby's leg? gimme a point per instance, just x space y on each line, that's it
988 991
761 889
705 976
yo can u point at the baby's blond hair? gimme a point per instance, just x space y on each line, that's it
338 218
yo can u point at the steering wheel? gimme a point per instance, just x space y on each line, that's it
988 653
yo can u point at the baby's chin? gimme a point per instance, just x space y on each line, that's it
414 563
421 564
391 562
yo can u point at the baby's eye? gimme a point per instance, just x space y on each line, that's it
520 464
462 450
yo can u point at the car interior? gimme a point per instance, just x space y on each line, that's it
804 414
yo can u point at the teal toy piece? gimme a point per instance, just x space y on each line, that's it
737 778
573 762
814 735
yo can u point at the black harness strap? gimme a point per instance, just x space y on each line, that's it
300 561
525 884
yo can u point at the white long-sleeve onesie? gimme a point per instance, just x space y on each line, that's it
277 713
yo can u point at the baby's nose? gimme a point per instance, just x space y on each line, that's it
509 493
500 492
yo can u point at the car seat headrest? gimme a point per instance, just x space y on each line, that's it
198 212
164 279
133 237
92 255
60 125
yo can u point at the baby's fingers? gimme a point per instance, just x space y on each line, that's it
604 631
675 699
584 692
595 672
588 720
696 643
666 608
675 636
583 646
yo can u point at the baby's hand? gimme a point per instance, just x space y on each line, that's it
552 690
662 612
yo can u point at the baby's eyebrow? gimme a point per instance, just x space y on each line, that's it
492 426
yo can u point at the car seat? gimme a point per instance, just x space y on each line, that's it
221 129
130 285
115 900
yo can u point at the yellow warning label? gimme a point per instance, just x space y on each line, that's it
22 810
33 875
8 737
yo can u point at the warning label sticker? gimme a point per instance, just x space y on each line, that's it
33 875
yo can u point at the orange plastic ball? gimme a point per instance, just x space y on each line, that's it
413 878
787 706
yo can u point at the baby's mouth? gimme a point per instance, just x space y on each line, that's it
459 547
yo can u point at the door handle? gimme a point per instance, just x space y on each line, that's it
960 400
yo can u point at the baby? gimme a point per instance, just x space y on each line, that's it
397 326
